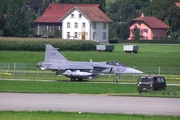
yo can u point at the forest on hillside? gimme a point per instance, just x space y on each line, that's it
17 20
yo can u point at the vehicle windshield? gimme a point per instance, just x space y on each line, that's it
146 79
116 64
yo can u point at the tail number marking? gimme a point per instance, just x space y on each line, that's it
52 54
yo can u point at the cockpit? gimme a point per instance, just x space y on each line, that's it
115 64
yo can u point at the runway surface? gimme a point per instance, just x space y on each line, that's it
89 103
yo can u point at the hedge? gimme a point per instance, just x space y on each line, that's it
38 44
163 41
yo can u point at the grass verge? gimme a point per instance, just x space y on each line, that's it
50 115
83 88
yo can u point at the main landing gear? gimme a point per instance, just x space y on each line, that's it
117 78
74 79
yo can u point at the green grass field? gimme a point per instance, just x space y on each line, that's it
83 88
150 55
150 59
42 115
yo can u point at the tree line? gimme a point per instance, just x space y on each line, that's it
17 20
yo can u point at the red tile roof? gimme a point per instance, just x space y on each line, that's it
94 14
152 22
54 12
177 4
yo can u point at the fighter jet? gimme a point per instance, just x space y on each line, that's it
77 70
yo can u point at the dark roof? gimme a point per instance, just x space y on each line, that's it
36 3
92 13
152 22
54 12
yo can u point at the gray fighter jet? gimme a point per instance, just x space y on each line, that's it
55 61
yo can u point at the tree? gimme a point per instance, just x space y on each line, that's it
123 31
175 35
159 8
121 10
118 31
113 31
3 10
2 23
101 2
166 11
173 18
19 20
58 34
45 5
136 34
140 4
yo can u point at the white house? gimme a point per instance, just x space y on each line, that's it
86 23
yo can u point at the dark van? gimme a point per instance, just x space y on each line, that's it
151 83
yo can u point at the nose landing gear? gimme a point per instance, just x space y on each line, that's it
117 78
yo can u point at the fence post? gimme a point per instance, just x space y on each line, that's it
134 75
14 68
8 68
159 71
37 71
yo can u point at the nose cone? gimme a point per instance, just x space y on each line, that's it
132 71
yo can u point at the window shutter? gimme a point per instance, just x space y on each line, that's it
147 30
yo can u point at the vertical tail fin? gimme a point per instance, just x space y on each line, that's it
52 54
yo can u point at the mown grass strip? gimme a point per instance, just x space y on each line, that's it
50 115
83 88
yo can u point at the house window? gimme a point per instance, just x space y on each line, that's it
68 24
75 25
68 34
80 15
75 34
72 15
83 25
94 25
104 25
144 38
144 30
104 35
155 38
94 35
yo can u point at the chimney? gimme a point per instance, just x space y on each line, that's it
142 15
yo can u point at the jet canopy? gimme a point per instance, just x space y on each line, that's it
115 63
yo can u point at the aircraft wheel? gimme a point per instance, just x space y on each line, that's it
80 79
116 81
73 79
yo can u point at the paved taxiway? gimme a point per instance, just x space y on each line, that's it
89 103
